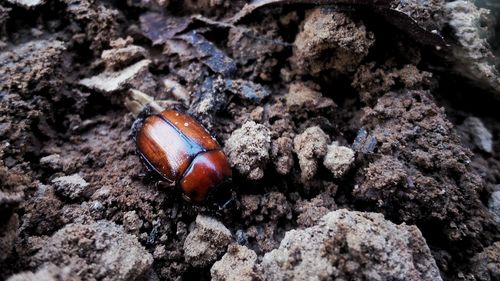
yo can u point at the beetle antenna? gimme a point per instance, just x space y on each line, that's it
137 101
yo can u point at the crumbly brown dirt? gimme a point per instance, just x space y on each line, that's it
318 108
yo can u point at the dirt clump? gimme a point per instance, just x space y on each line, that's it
31 66
248 149
310 146
337 244
330 40
206 242
486 265
237 264
435 181
338 159
94 251
71 186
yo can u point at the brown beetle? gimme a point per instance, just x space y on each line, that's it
183 153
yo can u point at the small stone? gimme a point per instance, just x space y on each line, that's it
206 242
237 264
70 187
338 159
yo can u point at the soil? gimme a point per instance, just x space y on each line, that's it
340 119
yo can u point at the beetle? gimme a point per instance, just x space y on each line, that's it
183 153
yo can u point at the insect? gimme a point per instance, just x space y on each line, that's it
183 153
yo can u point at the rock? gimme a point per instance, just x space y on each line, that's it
70 187
136 76
310 146
237 264
207 241
473 55
494 206
325 31
97 251
48 272
474 132
486 265
338 159
248 149
348 245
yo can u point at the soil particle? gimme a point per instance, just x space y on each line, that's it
48 272
96 22
206 242
439 185
336 245
70 187
43 211
95 251
132 223
30 67
338 159
301 98
271 206
311 211
248 149
330 40
474 132
258 47
372 80
486 265
237 264
310 146
281 154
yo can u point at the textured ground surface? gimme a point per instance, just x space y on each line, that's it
364 142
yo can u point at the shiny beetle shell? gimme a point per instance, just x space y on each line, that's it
183 153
